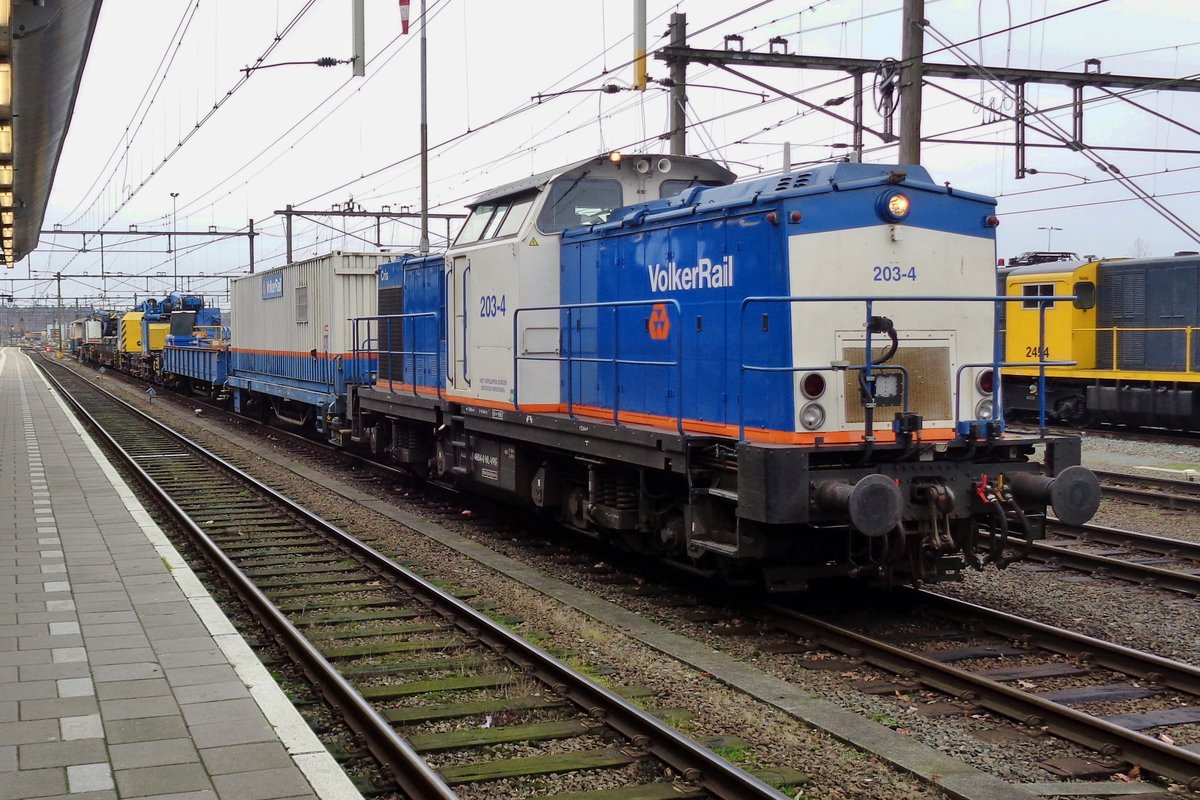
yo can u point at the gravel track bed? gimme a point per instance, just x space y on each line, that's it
329 727
589 780
1144 618
834 770
1156 459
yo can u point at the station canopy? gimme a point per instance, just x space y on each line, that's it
43 48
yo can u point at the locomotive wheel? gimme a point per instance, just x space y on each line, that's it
1073 411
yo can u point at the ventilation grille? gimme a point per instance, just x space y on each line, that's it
391 337
928 393
793 180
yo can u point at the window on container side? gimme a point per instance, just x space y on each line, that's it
1032 290
302 305
578 201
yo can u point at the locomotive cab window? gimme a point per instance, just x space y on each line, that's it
579 201
515 216
1085 295
473 228
1037 290
496 219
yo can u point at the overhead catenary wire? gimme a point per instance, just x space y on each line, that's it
211 112
515 111
368 175
1062 136
171 51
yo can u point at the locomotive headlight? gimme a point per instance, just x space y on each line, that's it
894 206
984 408
812 416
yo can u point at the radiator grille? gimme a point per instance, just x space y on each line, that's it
929 392
391 336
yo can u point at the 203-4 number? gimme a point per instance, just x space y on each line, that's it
892 274
491 306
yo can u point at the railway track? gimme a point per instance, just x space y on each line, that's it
1145 490
443 696
1152 561
1070 660
1043 678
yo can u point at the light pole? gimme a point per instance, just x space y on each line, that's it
174 250
1050 229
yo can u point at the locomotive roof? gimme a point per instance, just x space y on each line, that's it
818 180
1046 268
542 178
1058 267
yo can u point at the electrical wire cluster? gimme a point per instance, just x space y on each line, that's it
573 93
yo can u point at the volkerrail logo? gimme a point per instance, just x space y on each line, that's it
705 275
272 286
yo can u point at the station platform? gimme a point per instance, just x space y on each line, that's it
119 675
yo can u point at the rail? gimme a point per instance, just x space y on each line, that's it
364 344
1107 737
869 367
262 584
615 361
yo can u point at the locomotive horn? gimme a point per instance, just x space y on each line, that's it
874 504
1074 493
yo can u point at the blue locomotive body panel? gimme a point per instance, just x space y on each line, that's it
411 334
664 282
687 277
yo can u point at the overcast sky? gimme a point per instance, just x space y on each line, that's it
311 136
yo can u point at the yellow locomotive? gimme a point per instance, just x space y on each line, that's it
1131 332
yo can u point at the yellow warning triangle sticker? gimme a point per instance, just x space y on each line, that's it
533 242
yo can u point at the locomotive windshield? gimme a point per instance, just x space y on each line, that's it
579 201
496 219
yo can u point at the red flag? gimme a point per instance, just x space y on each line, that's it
404 16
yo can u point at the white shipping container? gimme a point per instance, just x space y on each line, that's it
305 306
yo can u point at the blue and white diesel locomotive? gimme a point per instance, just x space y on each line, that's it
782 379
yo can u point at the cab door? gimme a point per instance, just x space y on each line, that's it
457 286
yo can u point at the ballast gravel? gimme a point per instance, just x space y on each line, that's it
1153 620
832 769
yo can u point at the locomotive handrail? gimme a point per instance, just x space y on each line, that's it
869 303
1116 330
997 394
363 344
615 306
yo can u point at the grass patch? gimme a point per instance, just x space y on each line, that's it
885 719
